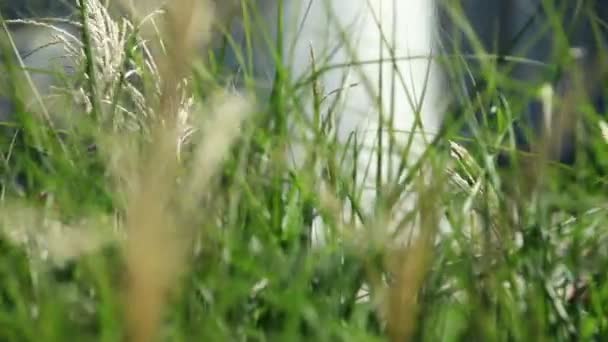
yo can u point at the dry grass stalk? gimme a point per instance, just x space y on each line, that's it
409 264
154 252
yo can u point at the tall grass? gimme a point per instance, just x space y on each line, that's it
159 204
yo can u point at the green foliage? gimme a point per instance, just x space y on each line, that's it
525 259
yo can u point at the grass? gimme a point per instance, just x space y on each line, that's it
161 205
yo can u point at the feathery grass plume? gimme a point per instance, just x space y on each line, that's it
40 228
111 54
51 242
468 180
114 46
408 263
155 247
149 128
